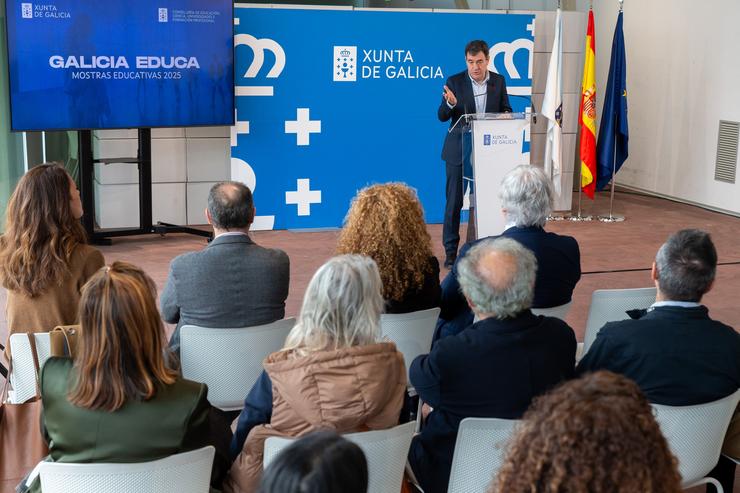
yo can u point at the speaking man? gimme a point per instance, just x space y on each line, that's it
475 90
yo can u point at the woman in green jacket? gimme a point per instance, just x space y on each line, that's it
119 401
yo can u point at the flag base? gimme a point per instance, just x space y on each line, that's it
580 218
611 218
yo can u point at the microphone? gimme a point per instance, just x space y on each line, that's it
530 100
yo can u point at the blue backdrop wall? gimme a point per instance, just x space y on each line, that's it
329 101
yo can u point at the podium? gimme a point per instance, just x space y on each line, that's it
493 145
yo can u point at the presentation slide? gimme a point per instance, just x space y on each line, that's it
80 64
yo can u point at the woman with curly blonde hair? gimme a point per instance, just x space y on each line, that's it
386 223
596 434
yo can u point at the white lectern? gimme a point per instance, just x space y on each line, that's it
497 141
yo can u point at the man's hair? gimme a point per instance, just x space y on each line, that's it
512 291
526 195
686 265
230 205
475 47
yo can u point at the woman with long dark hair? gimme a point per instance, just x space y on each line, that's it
44 258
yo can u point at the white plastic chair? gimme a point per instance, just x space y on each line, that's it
412 332
611 305
189 472
385 451
229 361
695 435
23 377
556 311
479 453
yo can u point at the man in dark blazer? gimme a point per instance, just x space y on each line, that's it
675 352
231 283
493 368
526 201
475 90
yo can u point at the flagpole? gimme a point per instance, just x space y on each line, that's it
579 217
611 218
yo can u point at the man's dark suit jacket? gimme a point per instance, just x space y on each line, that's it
491 369
558 271
231 283
496 101
678 356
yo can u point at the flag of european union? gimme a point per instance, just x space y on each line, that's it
611 147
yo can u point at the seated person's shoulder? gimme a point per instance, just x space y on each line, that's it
186 392
56 364
562 239
86 254
55 374
271 255
186 386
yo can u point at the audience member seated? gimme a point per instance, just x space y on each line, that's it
231 283
386 223
44 258
496 366
322 462
674 351
333 373
119 401
596 434
526 201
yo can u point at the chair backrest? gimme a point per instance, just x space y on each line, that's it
229 361
556 311
479 453
385 451
189 472
412 332
23 377
611 305
695 434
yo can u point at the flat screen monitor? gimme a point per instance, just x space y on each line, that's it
102 64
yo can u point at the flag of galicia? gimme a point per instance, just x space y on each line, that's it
611 147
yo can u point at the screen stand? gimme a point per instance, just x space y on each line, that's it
87 192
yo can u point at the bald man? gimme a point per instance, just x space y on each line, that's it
231 283
494 367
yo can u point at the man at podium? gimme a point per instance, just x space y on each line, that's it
475 90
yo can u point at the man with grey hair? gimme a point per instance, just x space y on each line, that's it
674 351
233 282
526 201
494 367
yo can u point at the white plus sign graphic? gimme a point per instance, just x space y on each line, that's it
303 127
530 27
303 197
240 127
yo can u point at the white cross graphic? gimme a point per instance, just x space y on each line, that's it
240 127
303 127
530 27
236 21
303 197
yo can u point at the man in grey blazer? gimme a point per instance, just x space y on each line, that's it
233 282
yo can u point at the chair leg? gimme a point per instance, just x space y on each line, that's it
706 480
724 472
417 429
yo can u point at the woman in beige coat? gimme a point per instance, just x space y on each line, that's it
332 374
